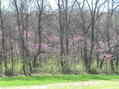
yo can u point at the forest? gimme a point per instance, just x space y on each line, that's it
79 36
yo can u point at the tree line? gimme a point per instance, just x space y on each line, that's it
76 37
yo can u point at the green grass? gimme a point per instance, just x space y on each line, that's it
44 80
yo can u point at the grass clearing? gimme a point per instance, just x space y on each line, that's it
95 84
88 85
44 80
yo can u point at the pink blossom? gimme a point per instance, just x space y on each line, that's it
101 43
53 38
108 56
43 45
27 34
99 49
35 45
77 37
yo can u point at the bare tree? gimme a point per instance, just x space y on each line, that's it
3 37
40 7
21 8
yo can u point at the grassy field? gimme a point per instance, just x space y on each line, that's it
87 85
95 84
44 80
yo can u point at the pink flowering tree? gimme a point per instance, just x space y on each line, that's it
77 37
53 38
53 41
75 42
43 46
28 34
99 50
108 56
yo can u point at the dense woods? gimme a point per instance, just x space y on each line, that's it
79 36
